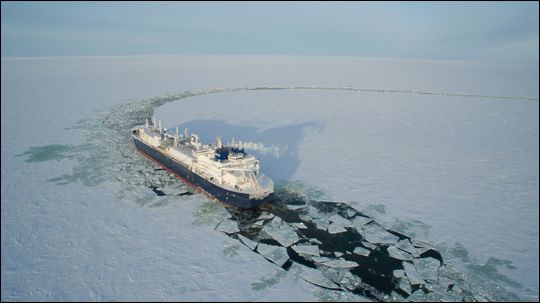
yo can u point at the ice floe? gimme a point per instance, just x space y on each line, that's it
249 243
276 254
376 234
312 275
228 226
359 250
397 253
304 249
340 263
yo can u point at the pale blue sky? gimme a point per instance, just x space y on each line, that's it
502 31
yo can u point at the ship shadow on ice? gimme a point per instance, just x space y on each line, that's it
277 148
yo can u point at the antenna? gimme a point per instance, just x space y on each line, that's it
219 144
146 123
159 125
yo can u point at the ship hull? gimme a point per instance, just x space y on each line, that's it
237 199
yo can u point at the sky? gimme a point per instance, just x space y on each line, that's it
500 31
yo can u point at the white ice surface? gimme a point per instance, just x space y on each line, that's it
465 167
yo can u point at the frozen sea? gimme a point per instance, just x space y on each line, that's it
444 150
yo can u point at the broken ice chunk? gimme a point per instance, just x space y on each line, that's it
258 223
427 268
376 234
320 260
412 275
369 245
359 250
228 226
398 273
335 228
360 221
407 246
275 222
249 243
314 212
312 275
296 207
321 224
305 217
405 285
285 234
265 215
452 296
340 263
350 212
303 249
417 296
350 281
436 288
334 275
338 254
315 241
418 243
397 253
171 190
299 225
275 254
337 219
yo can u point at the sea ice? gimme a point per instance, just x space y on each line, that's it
299 225
340 263
405 285
412 274
303 249
350 213
320 260
397 253
312 275
359 250
296 207
360 221
350 281
339 220
427 268
249 243
275 254
228 226
374 233
406 245
335 228
417 296
398 273
284 234
258 223
315 241
265 216
321 224
369 245
314 212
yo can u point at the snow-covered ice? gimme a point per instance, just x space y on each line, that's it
455 170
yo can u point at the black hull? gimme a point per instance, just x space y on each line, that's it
226 196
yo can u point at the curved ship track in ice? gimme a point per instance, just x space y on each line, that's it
327 243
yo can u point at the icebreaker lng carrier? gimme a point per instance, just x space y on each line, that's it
226 173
